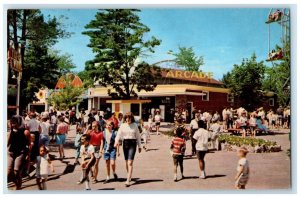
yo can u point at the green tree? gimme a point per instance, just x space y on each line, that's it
86 79
29 31
187 59
66 97
245 82
119 38
65 62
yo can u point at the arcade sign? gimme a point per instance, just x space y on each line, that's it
189 74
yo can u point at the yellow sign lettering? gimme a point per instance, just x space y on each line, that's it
201 75
170 74
210 75
194 75
187 74
178 74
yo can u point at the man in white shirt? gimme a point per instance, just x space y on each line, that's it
202 137
194 127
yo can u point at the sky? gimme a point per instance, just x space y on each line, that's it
223 36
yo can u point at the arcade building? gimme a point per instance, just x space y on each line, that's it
176 89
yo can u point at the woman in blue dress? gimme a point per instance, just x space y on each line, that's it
260 125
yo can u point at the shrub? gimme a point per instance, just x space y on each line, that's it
248 141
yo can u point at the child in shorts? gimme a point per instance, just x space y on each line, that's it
88 160
77 143
42 169
243 170
178 147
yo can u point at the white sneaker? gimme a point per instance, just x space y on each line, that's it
202 175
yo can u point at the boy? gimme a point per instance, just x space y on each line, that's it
87 160
202 136
178 148
77 143
242 175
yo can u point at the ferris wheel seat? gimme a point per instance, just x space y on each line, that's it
274 59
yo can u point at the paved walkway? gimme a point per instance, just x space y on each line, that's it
153 169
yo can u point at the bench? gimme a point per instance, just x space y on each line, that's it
234 131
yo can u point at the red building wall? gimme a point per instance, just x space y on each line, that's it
216 102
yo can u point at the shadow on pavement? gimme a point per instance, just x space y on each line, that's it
69 168
147 181
124 179
156 149
106 189
190 177
187 157
214 176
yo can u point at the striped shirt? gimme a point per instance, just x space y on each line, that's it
178 146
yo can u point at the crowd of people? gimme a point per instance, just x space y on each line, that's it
100 134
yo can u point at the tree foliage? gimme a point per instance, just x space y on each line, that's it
119 39
29 31
245 82
66 97
187 59
65 62
86 79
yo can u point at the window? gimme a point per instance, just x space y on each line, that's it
206 96
271 102
230 98
135 109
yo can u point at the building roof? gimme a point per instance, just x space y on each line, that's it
164 90
202 77
76 81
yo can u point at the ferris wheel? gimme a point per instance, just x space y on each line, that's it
280 51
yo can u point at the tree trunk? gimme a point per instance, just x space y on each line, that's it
15 30
23 103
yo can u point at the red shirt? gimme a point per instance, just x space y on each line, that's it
62 128
178 144
96 138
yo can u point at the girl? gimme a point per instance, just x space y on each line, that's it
150 122
42 168
97 142
243 170
62 130
243 123
130 135
110 151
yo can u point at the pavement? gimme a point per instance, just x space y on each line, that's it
153 170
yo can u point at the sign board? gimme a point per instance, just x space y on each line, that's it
14 59
189 74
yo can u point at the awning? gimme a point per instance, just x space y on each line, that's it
164 90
